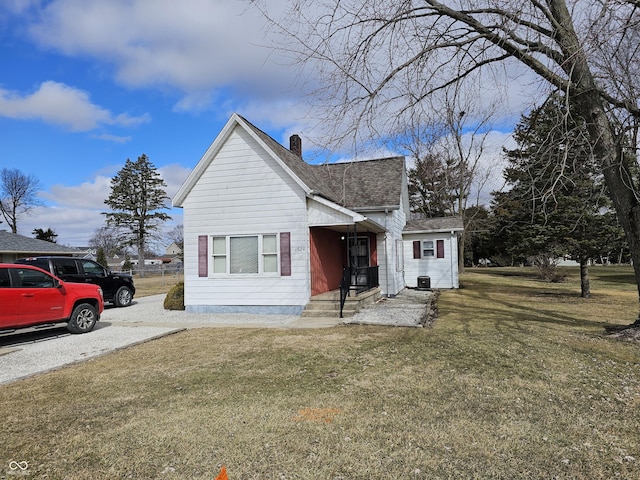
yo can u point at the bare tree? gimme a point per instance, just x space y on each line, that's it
449 174
176 235
18 195
110 239
389 56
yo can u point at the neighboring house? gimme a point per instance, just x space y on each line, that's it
173 249
264 231
173 254
13 246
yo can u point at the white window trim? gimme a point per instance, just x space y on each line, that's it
424 248
261 256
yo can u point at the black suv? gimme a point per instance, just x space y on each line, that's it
117 288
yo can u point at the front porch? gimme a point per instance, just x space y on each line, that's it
328 304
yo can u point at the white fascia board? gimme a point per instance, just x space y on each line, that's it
438 230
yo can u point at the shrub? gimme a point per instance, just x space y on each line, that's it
175 298
548 270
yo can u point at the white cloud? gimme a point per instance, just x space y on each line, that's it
60 104
112 138
87 195
74 226
174 176
194 46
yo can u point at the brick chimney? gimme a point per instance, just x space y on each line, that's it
295 145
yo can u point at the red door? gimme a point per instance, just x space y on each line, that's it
40 300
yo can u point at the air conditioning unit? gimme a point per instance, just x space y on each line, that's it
424 283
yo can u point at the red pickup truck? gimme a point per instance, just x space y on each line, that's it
31 297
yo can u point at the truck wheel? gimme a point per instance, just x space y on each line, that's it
83 319
123 297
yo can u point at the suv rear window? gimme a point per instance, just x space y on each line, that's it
65 266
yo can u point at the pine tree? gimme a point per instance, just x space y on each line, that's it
557 203
101 258
47 235
136 200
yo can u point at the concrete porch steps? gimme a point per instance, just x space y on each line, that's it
328 304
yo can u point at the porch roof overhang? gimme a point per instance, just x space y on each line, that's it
322 212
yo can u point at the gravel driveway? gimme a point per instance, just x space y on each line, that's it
25 355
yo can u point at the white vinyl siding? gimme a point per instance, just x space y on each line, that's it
245 192
440 266
391 277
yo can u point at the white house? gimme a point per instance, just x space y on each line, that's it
264 231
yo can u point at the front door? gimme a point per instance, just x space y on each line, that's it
359 255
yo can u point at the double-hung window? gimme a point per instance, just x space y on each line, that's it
428 249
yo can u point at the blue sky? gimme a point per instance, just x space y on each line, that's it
86 84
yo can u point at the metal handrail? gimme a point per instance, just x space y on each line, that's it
345 285
361 279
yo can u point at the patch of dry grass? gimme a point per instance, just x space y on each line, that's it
514 380
155 284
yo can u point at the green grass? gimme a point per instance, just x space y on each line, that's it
514 380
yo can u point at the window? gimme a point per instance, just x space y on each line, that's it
63 266
34 279
425 249
92 268
219 255
270 254
4 278
245 255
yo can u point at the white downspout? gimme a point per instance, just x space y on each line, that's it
386 251
452 262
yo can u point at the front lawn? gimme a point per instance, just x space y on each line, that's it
514 380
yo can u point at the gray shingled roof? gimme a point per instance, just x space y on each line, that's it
355 185
441 224
365 184
13 243
302 169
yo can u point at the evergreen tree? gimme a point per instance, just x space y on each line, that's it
136 200
47 235
101 258
557 203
